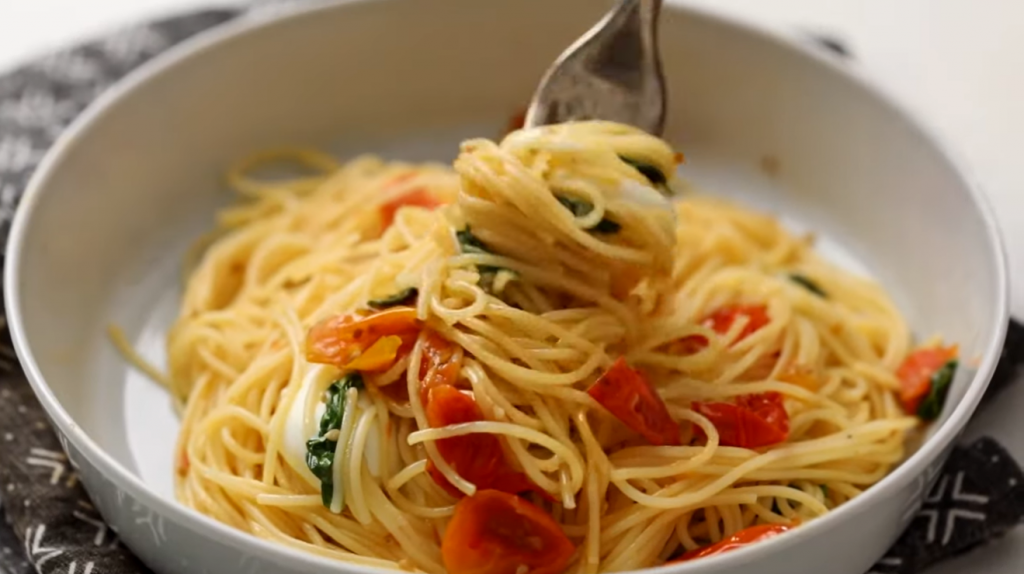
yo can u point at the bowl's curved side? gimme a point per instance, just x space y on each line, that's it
235 89
170 544
166 536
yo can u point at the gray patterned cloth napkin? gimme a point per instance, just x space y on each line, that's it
52 528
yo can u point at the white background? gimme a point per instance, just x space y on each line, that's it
959 62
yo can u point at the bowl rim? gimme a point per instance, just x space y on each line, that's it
249 24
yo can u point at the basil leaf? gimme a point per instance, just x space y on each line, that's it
320 459
931 406
607 226
809 284
653 174
402 297
320 450
470 243
580 208
334 406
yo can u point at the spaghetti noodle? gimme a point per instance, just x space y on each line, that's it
372 355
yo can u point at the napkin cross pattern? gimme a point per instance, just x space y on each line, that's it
52 528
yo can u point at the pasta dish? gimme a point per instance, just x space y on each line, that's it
534 361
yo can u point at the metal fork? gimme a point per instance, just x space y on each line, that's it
613 72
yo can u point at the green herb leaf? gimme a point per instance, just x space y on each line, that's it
607 226
320 450
931 406
581 208
470 243
824 491
653 174
578 207
320 459
405 296
809 284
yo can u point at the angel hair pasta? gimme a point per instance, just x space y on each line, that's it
535 362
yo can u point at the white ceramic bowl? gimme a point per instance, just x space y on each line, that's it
109 215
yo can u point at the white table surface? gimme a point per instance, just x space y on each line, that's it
959 62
